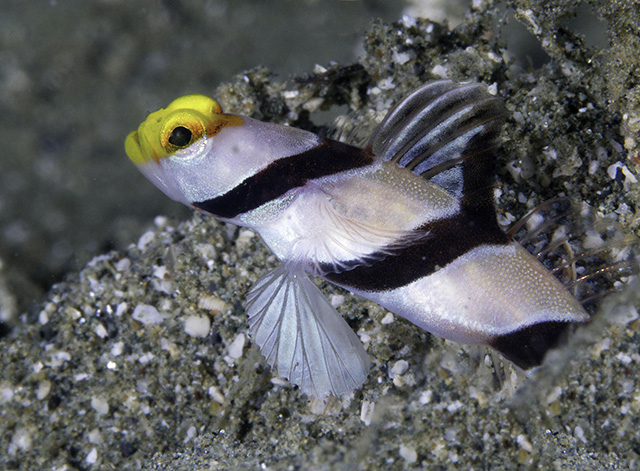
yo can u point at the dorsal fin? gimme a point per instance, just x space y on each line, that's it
590 255
445 132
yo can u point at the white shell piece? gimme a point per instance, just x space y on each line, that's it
303 337
147 314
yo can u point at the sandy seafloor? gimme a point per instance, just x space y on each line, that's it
141 359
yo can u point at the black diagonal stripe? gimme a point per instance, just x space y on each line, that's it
448 239
527 347
327 158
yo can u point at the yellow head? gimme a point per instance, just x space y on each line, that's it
185 121
194 152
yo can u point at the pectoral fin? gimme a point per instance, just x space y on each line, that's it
303 337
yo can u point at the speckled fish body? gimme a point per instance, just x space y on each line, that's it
408 222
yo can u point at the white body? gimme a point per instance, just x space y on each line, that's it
407 222
490 291
349 216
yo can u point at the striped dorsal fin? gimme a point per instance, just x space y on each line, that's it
445 132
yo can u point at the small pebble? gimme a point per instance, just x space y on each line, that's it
408 453
100 405
400 367
236 347
147 314
197 326
366 412
92 457
388 319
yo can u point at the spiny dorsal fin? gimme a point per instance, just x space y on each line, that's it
445 132
591 255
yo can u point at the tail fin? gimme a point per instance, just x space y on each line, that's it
445 132
590 255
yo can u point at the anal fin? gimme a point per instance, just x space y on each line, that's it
303 337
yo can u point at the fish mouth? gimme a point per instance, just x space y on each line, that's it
152 168
155 172
134 150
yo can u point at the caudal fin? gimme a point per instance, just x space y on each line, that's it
592 256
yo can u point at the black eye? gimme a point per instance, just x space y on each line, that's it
180 137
